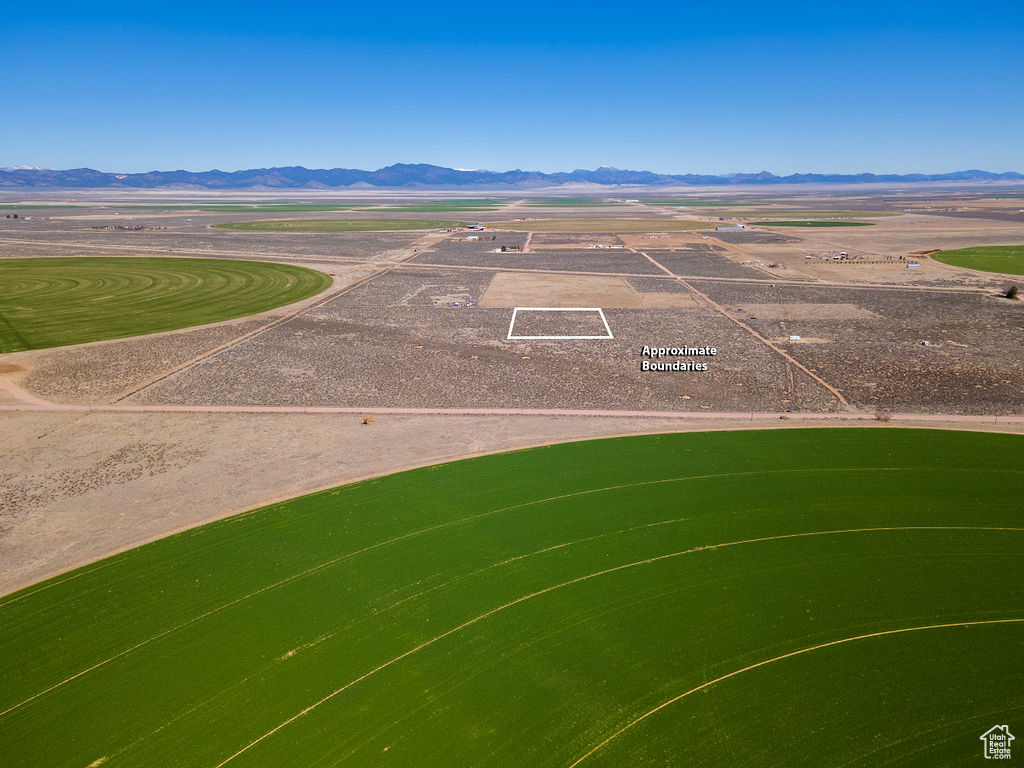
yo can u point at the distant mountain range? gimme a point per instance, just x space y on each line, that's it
423 176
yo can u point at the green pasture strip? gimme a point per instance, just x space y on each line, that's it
244 207
683 202
445 206
601 225
339 225
789 209
522 608
51 302
571 202
800 213
39 207
1006 259
275 208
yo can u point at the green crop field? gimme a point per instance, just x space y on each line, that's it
570 202
51 302
765 598
276 208
686 202
601 225
232 207
37 207
446 206
787 214
1007 259
339 225
822 223
799 214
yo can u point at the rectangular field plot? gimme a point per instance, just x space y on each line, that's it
523 289
558 323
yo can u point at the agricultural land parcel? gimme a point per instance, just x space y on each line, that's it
59 301
1007 259
639 600
339 225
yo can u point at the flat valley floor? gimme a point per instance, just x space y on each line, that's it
114 443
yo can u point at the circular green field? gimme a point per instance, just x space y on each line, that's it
1006 259
813 223
340 225
700 599
51 302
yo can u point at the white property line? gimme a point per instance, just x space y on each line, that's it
600 312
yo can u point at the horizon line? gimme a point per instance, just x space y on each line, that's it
725 174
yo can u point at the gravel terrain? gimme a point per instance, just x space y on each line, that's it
585 260
973 362
459 356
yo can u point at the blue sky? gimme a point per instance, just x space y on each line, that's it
670 87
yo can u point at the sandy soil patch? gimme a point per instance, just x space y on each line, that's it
511 289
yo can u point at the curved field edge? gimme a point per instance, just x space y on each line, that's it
51 302
1002 259
522 608
339 225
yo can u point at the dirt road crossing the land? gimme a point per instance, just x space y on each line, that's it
715 305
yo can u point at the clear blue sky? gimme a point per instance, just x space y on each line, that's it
670 87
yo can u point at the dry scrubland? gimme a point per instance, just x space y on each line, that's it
429 329
418 319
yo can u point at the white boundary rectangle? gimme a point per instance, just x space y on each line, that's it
517 310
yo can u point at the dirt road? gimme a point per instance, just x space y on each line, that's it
31 403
